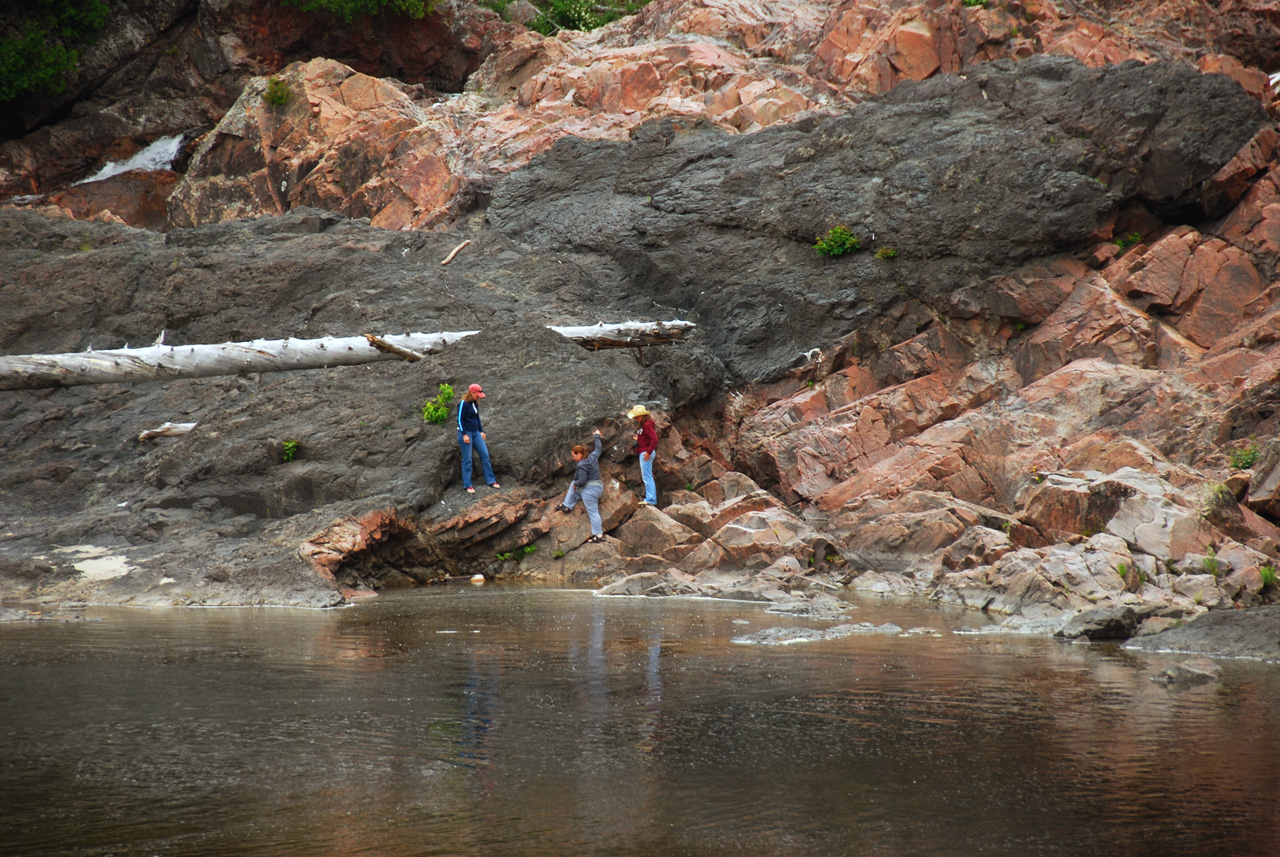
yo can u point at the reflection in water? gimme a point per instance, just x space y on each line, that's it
542 722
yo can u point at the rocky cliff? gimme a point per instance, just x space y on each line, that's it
1044 385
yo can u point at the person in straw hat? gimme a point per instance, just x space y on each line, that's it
647 447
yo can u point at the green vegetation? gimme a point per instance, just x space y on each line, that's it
556 15
528 549
558 555
436 410
37 43
503 557
886 253
289 450
1124 242
838 241
1243 459
975 3
1211 561
1268 575
347 11
277 93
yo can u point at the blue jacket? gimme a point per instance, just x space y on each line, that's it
588 468
469 418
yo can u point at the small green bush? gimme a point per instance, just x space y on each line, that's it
436 410
528 549
277 93
1268 574
1124 242
288 450
838 241
886 253
975 3
1211 561
503 557
1243 459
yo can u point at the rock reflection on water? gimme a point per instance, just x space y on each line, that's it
546 722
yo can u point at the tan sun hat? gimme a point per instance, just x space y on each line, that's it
638 411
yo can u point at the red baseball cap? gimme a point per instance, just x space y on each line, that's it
475 388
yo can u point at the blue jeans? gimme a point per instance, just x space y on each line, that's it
646 473
477 444
591 499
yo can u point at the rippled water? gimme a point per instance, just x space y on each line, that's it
543 722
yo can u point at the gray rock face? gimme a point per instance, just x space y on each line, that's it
961 177
1253 633
1101 624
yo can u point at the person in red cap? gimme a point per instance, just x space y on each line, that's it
471 437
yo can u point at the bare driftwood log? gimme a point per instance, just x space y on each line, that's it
169 362
628 334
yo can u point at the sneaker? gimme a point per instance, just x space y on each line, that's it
470 490
494 485
563 508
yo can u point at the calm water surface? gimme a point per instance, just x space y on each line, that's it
504 721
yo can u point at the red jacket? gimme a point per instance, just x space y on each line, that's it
647 437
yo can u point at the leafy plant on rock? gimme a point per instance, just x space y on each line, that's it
1124 242
1211 564
277 93
436 411
289 450
886 253
1268 575
838 241
1243 459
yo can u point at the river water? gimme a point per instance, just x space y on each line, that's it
514 721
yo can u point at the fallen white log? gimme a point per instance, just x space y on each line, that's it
169 362
627 334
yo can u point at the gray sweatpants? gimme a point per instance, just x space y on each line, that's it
591 499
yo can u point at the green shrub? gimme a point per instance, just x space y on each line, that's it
289 450
1268 575
886 253
436 410
1124 242
838 241
579 14
528 549
1211 561
1243 459
277 93
975 3
347 11
37 53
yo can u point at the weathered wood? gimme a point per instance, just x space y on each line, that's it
454 252
168 362
382 345
628 334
